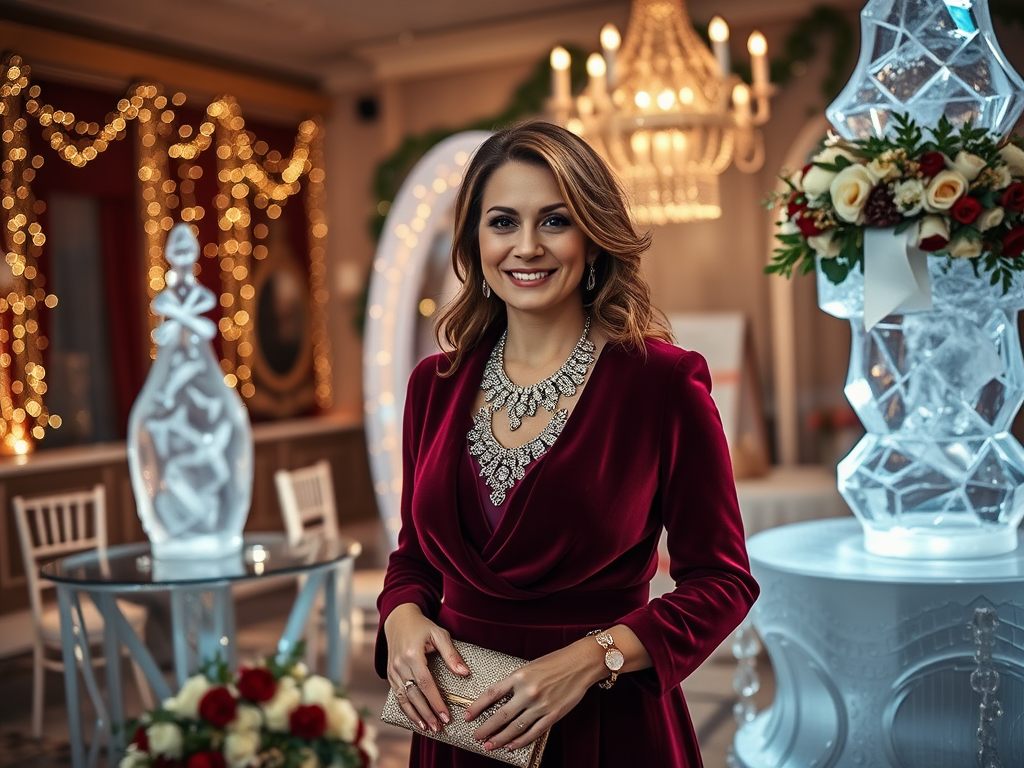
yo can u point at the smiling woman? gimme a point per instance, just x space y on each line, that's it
560 416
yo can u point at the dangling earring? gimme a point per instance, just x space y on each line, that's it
486 289
591 278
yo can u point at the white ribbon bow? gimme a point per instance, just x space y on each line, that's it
184 314
895 274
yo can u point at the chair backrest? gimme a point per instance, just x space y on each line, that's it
53 526
307 501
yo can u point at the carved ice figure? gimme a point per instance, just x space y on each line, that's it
929 58
190 449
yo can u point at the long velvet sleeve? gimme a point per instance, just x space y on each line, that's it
410 577
714 589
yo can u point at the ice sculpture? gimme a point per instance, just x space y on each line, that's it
190 450
928 58
938 474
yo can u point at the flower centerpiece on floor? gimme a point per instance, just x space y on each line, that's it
270 715
960 194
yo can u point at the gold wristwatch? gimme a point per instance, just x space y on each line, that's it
613 658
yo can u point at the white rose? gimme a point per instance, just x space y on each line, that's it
816 181
788 228
1013 156
970 165
247 718
884 169
240 749
991 217
299 671
908 196
186 703
931 226
945 189
164 739
133 758
277 711
1001 177
964 248
317 690
342 720
369 744
825 244
850 189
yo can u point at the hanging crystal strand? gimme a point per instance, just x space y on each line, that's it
985 680
746 682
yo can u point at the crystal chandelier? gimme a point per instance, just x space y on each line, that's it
665 111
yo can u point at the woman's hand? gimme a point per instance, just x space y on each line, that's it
543 691
411 636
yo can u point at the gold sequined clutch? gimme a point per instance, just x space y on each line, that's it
485 668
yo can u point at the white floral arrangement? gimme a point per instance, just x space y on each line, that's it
269 715
962 190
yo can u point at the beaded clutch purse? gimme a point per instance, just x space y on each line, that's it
485 668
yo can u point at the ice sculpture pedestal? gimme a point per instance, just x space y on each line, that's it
873 655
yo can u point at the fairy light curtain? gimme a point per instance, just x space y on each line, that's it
210 171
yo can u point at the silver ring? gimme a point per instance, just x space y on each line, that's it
409 684
520 725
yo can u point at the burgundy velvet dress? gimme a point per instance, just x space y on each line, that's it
576 548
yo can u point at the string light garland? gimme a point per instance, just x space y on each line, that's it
246 170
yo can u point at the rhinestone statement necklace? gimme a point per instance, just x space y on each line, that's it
502 467
500 392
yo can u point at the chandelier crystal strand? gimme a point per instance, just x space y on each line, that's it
666 112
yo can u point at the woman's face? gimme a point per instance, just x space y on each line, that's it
532 253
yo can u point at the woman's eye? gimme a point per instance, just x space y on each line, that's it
502 222
556 221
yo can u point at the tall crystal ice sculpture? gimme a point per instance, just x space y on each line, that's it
190 450
938 474
928 58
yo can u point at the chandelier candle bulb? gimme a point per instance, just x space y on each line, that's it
610 41
741 104
598 86
718 31
757 46
560 83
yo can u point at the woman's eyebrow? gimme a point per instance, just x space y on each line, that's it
545 209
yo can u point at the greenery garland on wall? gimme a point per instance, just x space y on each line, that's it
799 47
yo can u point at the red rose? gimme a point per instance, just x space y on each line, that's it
364 758
1013 197
217 707
140 739
208 759
256 684
167 762
933 243
796 205
808 226
1013 242
360 731
308 721
932 162
966 209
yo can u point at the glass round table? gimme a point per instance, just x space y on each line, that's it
202 614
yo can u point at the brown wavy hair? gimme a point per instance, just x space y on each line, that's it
620 303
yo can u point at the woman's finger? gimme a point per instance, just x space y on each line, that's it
407 707
423 708
510 713
428 699
494 693
521 737
452 658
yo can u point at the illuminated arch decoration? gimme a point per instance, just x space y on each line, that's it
246 169
414 218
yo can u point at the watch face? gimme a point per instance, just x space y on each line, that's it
614 660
